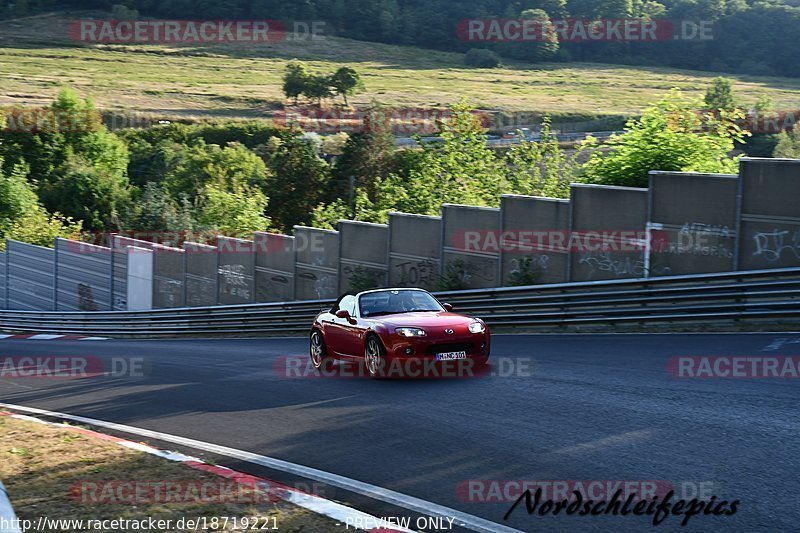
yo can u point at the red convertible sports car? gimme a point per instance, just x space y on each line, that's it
402 332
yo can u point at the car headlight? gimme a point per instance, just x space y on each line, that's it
476 327
410 332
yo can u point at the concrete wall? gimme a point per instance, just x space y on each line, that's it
201 274
605 225
30 272
139 268
83 276
236 271
363 250
692 222
527 227
415 248
3 284
464 237
274 267
316 263
169 274
770 213
119 260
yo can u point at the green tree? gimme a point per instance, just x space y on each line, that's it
80 168
156 211
788 145
39 227
542 168
367 156
88 192
461 169
23 219
318 88
719 96
345 82
670 135
17 197
546 45
239 212
297 182
231 168
295 80
764 103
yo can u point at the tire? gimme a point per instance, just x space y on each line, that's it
374 354
317 349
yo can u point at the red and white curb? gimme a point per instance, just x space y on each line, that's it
50 337
277 491
426 509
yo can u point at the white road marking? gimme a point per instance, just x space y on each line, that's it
391 497
778 343
312 502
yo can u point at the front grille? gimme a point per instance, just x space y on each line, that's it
433 349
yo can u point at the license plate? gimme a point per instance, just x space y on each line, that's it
450 356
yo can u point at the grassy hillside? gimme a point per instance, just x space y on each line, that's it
36 58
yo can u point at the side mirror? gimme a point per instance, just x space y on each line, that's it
447 307
342 313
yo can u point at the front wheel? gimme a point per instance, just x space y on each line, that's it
373 357
317 350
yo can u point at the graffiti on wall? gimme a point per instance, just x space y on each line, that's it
171 290
85 298
604 260
234 280
774 245
419 273
324 286
697 238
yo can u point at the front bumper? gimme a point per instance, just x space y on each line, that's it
476 345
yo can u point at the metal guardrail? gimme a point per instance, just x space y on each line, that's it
8 520
730 297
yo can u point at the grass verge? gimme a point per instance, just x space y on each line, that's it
56 473
244 81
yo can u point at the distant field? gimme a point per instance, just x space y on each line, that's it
36 58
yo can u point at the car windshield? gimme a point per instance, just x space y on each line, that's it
399 301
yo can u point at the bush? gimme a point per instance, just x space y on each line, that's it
363 280
526 273
455 275
481 58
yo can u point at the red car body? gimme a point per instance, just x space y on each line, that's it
346 329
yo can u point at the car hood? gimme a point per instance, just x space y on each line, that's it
425 318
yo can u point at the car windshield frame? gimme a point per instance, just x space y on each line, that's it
398 310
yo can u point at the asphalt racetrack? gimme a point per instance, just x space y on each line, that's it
554 408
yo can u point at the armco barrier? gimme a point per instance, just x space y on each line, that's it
731 298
